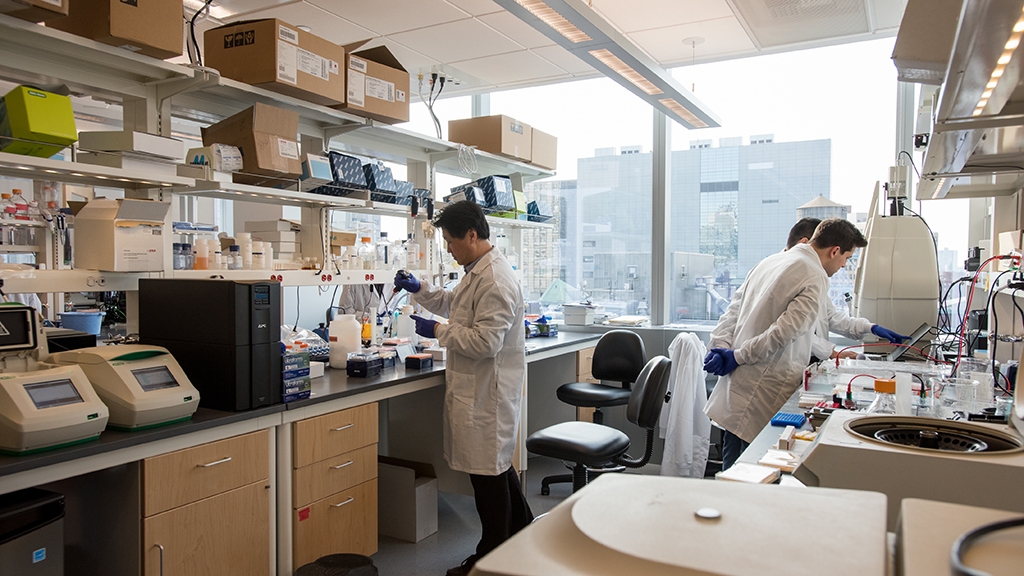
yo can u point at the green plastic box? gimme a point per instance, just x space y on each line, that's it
520 212
44 122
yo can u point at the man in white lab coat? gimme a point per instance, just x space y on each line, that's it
835 320
484 374
763 341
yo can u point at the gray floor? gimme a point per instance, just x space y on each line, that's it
459 528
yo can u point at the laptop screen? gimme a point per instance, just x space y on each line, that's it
912 341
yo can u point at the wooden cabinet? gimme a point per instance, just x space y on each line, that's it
584 361
206 509
334 484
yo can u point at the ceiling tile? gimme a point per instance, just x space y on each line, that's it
322 23
887 13
455 41
564 59
516 29
235 7
722 37
477 7
646 14
389 16
516 67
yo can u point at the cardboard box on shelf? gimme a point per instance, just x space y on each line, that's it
407 499
43 121
152 28
343 238
35 10
275 55
139 143
266 135
121 235
544 150
497 134
376 84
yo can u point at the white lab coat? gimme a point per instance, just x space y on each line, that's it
684 426
840 323
486 364
769 324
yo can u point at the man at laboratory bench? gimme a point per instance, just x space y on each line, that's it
484 373
835 320
762 343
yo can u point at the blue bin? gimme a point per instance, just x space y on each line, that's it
82 321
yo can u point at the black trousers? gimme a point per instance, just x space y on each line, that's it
502 507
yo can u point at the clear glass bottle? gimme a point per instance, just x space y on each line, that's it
885 399
399 257
235 257
383 252
176 261
190 258
367 255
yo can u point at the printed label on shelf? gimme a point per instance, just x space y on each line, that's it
380 89
356 88
357 64
288 34
286 58
288 148
313 65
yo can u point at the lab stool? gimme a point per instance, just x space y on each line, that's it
339 565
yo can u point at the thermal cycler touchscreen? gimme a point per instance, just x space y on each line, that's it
53 393
156 378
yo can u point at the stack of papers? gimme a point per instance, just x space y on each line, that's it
749 474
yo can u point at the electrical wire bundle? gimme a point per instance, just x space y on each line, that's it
438 82
192 43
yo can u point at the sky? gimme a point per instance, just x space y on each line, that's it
845 93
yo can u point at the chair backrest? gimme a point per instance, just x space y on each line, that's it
648 395
619 357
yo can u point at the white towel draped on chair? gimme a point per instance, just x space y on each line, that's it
684 426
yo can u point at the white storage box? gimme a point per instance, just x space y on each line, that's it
137 142
272 225
145 165
577 315
121 235
407 499
275 236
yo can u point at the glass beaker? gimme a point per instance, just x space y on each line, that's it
980 370
952 395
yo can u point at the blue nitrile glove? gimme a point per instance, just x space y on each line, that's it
713 362
424 327
728 360
407 281
889 335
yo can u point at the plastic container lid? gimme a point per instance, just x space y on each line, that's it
885 385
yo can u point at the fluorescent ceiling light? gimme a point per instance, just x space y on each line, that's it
573 25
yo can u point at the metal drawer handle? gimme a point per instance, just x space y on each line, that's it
340 466
342 504
345 427
221 461
161 558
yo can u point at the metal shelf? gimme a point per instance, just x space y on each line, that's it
299 277
32 168
276 196
523 224
43 281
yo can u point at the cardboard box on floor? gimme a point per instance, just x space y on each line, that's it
376 84
115 235
150 27
498 134
275 55
407 499
35 10
266 136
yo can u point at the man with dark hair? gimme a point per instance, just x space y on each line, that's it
834 320
484 374
761 344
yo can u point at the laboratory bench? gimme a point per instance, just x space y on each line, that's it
295 478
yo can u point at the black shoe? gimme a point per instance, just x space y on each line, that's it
462 569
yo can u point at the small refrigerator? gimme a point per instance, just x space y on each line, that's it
32 533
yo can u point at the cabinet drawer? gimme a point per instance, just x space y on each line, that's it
587 377
333 434
225 534
321 479
175 479
584 360
345 522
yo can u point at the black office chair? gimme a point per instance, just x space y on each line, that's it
593 446
618 357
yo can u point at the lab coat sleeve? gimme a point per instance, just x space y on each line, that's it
725 331
437 300
494 314
842 323
799 316
821 348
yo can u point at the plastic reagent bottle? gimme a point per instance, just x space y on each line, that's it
885 401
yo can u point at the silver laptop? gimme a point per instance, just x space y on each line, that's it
898 351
